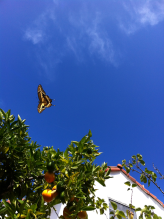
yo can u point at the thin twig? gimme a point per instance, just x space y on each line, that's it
148 176
158 172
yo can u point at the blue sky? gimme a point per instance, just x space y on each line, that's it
102 62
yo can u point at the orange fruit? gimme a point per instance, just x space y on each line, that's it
76 199
48 195
82 214
55 193
66 213
49 177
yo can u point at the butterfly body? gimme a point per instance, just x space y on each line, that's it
44 100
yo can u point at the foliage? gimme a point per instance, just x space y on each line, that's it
146 212
116 213
22 168
137 161
145 175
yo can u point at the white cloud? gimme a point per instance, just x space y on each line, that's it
101 44
92 36
61 31
140 14
151 13
36 36
79 34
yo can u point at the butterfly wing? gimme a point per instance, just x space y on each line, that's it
48 101
44 100
41 92
41 107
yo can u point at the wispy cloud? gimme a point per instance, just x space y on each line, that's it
91 37
77 34
101 44
36 36
61 31
140 14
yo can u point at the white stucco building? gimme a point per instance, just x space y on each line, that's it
116 191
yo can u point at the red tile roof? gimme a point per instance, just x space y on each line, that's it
120 168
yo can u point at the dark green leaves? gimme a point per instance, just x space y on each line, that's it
88 208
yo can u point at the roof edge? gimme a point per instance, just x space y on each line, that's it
120 168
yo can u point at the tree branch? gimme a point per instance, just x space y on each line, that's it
147 175
162 176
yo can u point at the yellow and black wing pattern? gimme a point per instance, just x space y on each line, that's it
44 100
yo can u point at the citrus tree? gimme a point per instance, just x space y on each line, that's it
32 181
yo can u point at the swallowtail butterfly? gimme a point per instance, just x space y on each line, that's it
44 100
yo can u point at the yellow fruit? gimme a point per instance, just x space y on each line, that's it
54 188
48 195
82 214
130 215
49 177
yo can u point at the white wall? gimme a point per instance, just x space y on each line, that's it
115 189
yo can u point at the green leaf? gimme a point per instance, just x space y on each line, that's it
108 171
80 147
39 213
90 133
101 211
149 182
1 116
134 185
74 168
20 201
33 207
19 118
9 209
66 153
75 142
28 215
127 183
96 169
23 203
143 178
142 162
88 208
118 216
42 206
114 205
138 209
4 149
83 140
108 177
100 180
4 114
8 113
121 213
3 210
38 187
127 169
